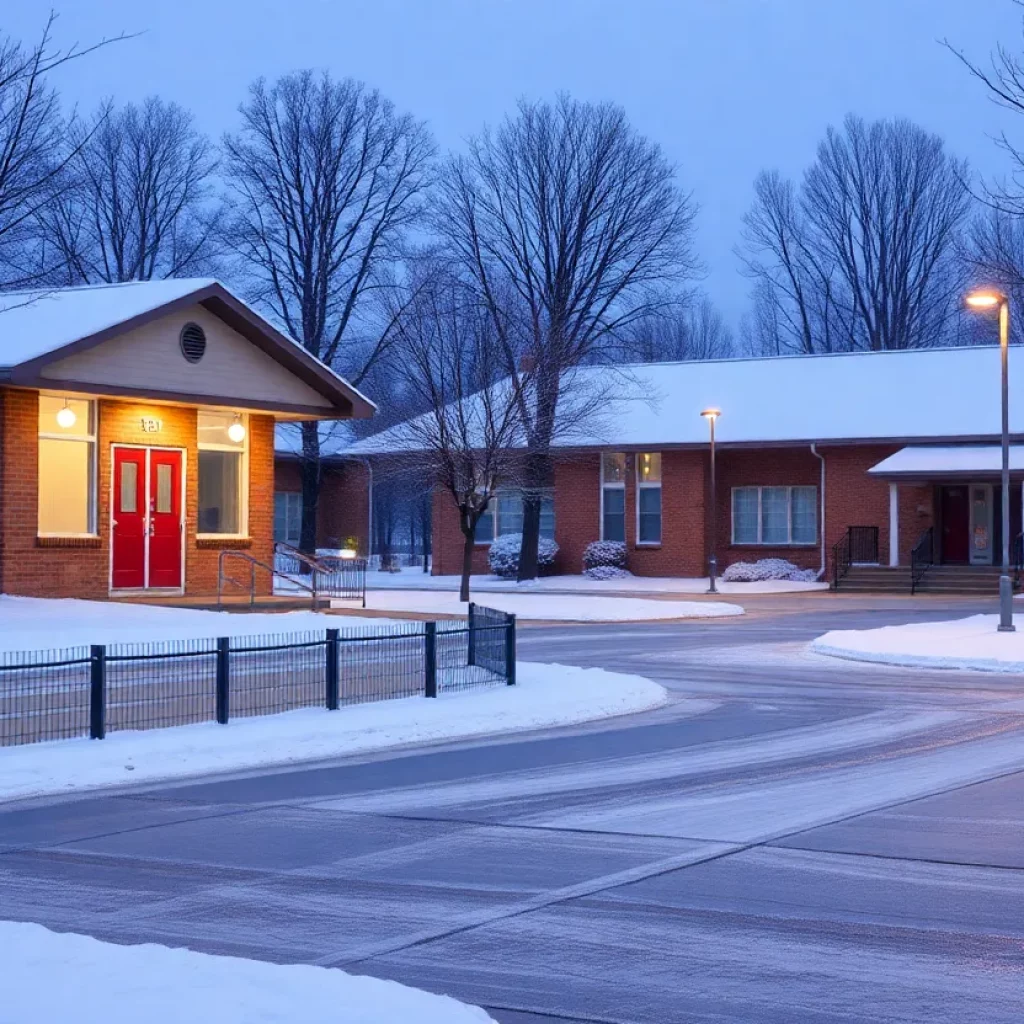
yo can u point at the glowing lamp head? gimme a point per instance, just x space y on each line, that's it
66 417
985 299
711 414
348 553
236 432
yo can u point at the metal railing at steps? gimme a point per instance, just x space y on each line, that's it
1018 559
858 546
840 559
922 558
340 579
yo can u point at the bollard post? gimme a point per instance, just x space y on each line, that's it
331 669
97 691
430 660
223 679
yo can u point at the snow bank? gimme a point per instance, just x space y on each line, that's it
551 607
545 696
766 569
159 985
35 624
972 644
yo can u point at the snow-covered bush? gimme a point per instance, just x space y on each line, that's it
767 569
607 572
503 556
604 553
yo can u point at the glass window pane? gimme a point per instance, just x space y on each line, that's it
129 487
220 492
744 515
82 409
547 517
774 515
66 487
163 487
613 467
613 520
281 517
648 467
485 527
212 428
293 534
510 513
805 515
649 524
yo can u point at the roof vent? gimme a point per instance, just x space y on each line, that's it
193 342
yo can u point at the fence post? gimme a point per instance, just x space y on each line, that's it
331 673
223 679
510 650
430 660
97 691
471 635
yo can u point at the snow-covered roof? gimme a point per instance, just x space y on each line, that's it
943 393
948 460
35 325
335 438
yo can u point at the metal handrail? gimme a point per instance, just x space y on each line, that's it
840 559
1018 559
281 547
922 558
254 564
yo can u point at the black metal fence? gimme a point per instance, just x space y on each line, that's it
90 691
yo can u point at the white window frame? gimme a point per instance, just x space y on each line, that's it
613 485
492 511
760 542
243 500
71 435
649 486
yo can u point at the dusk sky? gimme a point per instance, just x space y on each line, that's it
727 87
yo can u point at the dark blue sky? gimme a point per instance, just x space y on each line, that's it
726 86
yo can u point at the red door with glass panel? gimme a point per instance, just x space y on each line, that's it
146 527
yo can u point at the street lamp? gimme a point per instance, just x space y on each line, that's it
988 298
711 415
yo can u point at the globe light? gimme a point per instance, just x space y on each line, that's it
66 416
236 432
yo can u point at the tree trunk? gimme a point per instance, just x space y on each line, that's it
536 480
310 487
426 526
467 564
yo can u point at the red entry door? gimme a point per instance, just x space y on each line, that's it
956 519
147 521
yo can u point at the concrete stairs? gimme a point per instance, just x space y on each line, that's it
938 579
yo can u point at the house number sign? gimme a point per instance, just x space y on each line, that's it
152 425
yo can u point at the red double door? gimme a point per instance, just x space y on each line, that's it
147 523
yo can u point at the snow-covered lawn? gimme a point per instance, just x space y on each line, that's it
51 976
545 696
550 607
416 579
35 624
971 643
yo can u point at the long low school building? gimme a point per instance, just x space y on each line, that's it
137 437
826 461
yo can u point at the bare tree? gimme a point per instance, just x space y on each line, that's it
327 179
137 202
993 254
33 148
467 438
863 254
694 330
570 226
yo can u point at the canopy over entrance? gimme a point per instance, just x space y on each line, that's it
966 462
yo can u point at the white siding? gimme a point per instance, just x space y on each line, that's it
150 358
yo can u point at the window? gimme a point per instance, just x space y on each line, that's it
648 498
613 496
67 467
288 517
505 515
222 474
774 515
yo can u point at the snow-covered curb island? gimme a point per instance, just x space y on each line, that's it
541 607
966 644
545 696
50 976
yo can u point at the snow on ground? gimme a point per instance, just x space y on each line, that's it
551 607
35 624
971 643
126 984
416 579
545 696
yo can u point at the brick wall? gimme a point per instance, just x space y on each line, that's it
344 505
79 567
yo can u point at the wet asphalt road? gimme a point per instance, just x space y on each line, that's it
792 839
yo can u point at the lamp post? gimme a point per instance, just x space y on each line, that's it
989 299
711 415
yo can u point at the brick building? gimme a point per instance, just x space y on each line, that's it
890 444
137 436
